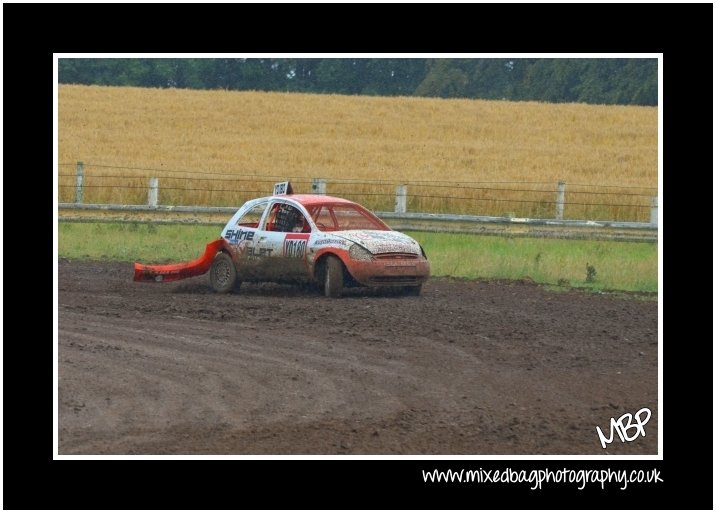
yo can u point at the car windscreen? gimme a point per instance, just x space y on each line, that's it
344 217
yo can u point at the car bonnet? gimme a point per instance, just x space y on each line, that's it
381 241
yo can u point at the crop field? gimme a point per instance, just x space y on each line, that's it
456 156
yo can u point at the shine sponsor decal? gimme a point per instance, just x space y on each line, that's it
234 236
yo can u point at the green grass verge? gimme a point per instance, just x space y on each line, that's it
146 242
626 266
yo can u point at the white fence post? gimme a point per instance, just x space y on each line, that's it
319 186
654 219
559 214
80 180
153 195
401 197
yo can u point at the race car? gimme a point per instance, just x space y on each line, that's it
298 238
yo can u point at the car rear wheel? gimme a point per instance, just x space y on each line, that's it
222 274
333 280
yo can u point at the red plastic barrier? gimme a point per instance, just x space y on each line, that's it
174 272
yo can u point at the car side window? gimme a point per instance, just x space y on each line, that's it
324 219
252 217
286 218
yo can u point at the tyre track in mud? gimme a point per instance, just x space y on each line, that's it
469 367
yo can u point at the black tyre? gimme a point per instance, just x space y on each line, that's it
412 290
333 277
222 274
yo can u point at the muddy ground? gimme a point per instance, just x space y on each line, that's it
469 368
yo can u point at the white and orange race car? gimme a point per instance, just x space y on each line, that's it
299 238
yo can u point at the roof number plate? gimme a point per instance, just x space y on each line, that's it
282 188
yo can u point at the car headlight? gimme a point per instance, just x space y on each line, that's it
358 252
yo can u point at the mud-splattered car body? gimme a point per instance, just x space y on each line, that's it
293 238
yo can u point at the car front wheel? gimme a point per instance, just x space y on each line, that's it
222 274
333 280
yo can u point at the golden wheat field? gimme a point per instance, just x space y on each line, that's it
459 156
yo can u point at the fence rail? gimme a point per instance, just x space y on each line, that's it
476 206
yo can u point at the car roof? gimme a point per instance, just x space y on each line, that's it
313 199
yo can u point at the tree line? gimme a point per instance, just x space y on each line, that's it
586 80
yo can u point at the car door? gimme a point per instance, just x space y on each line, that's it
243 233
281 244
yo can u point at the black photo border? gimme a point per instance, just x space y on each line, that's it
33 480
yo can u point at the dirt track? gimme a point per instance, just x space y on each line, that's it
467 368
